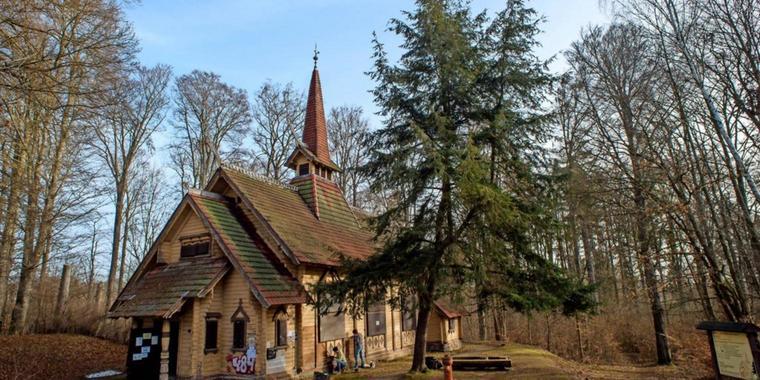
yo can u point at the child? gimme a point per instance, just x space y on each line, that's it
340 359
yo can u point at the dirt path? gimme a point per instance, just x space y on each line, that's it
57 356
528 363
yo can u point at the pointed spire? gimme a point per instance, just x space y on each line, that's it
315 127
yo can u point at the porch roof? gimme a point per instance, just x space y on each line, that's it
162 291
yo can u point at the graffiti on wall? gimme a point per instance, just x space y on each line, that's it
243 362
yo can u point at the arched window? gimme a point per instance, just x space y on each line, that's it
239 321
281 327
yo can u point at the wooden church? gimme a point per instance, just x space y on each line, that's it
221 293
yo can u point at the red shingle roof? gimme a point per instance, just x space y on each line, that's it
312 240
315 127
163 290
445 309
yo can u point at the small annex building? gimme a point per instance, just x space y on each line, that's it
222 291
444 332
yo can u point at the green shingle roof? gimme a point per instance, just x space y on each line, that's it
163 290
273 283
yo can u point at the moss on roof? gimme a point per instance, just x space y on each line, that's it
313 240
273 283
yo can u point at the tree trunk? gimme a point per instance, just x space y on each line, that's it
420 338
590 250
115 243
63 294
29 262
7 239
123 259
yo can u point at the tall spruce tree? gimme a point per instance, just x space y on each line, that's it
460 147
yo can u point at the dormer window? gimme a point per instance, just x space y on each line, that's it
303 169
195 245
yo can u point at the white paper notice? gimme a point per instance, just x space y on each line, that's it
154 340
733 354
136 357
146 336
146 350
138 341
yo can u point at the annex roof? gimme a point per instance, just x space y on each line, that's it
163 290
446 310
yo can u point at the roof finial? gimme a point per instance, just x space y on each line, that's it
316 56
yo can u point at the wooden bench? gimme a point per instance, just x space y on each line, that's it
481 363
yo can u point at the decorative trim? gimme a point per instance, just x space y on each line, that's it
259 177
280 313
240 310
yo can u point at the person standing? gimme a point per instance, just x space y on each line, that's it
359 350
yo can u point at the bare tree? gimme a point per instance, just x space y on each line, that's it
348 132
63 57
124 131
617 71
278 115
210 120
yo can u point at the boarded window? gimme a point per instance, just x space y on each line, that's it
238 334
212 328
303 169
376 319
281 332
409 315
332 325
194 249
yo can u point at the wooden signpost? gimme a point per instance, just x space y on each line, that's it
734 348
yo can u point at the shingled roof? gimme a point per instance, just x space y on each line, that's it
163 290
319 234
271 283
447 310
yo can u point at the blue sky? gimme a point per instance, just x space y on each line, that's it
248 42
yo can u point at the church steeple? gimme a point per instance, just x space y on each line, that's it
315 127
312 154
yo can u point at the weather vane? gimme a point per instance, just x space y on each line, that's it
316 55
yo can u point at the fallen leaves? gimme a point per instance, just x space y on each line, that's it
58 356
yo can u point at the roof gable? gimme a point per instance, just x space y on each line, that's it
157 289
271 284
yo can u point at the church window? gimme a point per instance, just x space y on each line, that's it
333 324
281 332
194 249
195 245
376 319
239 321
212 329
281 327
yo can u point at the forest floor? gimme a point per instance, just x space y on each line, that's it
528 362
65 356
58 356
